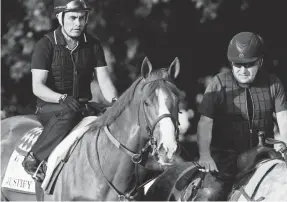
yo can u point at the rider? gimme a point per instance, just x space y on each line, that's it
237 105
63 64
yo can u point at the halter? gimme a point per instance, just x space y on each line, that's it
136 158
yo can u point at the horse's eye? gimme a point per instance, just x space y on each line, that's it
146 103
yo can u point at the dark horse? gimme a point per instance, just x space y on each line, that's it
262 176
108 162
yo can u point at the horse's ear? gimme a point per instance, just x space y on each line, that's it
146 68
174 68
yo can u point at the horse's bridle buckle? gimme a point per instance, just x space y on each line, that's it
122 198
137 158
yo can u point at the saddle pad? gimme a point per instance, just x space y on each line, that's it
60 152
259 173
28 140
16 178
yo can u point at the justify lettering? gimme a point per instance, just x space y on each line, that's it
12 182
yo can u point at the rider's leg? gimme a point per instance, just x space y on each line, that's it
57 123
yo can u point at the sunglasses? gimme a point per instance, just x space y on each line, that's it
245 65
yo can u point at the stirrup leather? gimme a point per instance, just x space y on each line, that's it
39 174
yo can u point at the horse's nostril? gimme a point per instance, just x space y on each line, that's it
178 150
161 148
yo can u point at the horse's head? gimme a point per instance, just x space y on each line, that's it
158 109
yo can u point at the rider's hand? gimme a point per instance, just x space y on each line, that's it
280 147
207 162
70 102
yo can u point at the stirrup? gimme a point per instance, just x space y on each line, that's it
38 176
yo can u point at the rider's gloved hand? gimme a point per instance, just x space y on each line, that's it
69 101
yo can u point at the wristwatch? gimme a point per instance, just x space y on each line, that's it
114 99
62 98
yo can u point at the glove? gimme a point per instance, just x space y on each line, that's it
70 102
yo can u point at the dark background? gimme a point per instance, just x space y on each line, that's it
196 31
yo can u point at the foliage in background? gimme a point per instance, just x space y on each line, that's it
197 31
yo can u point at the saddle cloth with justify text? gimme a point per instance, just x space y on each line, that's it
17 179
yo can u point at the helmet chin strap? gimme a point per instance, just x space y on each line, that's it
60 17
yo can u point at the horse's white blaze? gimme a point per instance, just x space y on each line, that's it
166 126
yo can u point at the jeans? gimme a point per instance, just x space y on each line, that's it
217 185
58 121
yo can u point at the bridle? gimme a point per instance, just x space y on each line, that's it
136 158
151 127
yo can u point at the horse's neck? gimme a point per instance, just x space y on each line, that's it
117 163
127 131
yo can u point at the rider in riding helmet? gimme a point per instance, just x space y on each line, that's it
237 104
63 64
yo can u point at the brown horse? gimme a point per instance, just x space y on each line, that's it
108 162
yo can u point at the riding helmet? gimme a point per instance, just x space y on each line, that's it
70 5
245 47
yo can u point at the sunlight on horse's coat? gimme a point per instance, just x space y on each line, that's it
271 187
166 126
274 186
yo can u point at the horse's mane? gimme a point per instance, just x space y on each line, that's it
117 108
124 100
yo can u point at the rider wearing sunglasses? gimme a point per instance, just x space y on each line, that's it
63 64
237 104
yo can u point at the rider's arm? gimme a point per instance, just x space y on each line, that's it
103 75
280 104
105 82
211 99
41 65
282 123
204 131
39 78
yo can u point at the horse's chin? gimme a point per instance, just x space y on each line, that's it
165 162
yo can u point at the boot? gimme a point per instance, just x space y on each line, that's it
31 164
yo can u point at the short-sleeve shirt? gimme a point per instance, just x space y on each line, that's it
214 97
43 52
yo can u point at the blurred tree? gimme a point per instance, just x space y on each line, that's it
197 31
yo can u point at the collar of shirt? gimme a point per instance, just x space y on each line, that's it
60 38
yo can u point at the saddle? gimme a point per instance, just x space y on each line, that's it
179 181
249 159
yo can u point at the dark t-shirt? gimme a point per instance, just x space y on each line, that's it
43 54
214 97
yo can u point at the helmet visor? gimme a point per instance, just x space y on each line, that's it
76 5
247 64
